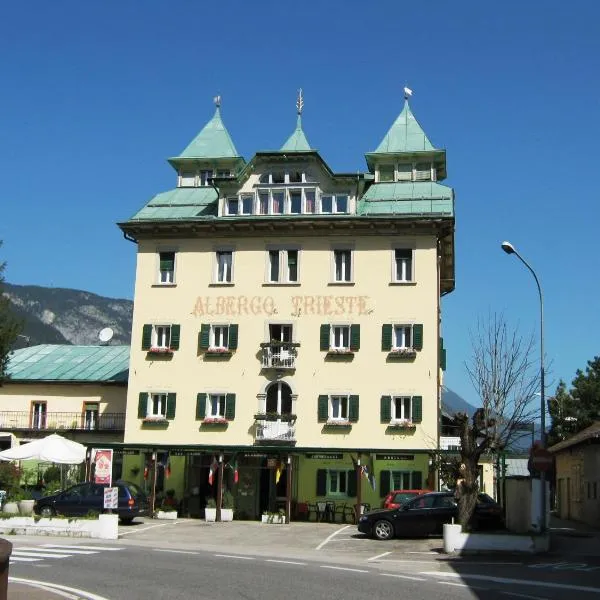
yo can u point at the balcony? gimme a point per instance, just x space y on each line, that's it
449 442
279 355
55 421
273 430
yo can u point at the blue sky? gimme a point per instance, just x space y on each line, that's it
95 97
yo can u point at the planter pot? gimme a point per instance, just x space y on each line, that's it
275 519
11 507
227 514
210 515
26 507
167 515
453 538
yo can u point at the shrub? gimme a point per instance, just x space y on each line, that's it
228 499
52 474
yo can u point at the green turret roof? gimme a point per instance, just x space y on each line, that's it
297 142
405 135
213 141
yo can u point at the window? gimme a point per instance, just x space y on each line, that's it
280 332
423 172
216 406
334 204
246 204
295 176
278 200
340 337
161 336
90 411
278 177
403 264
295 202
421 502
401 480
232 206
188 179
224 266
205 176
157 406
166 267
401 410
326 204
337 482
404 172
342 266
38 415
309 201
341 204
386 173
219 336
338 408
283 266
263 203
223 173
402 336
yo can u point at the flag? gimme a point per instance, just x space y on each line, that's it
372 473
278 471
167 463
212 471
236 475
146 471
407 92
354 463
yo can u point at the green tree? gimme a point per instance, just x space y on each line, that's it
9 327
575 409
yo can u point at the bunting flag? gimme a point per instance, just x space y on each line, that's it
212 471
278 471
354 462
372 473
146 471
236 474
167 464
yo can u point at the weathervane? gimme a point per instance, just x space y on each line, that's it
300 102
407 93
217 101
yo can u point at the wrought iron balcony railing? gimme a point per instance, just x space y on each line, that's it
449 442
268 430
279 355
53 421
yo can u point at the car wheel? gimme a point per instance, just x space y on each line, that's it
383 530
47 511
126 520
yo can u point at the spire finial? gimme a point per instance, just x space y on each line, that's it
407 93
217 101
300 102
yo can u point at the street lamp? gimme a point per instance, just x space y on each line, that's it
510 249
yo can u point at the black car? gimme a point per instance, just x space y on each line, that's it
83 498
426 515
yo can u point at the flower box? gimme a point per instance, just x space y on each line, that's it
340 351
218 352
340 424
167 515
275 518
215 421
157 350
402 353
155 422
402 426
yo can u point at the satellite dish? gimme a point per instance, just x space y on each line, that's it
106 335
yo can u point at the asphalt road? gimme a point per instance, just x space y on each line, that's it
247 561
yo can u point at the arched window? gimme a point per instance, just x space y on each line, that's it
279 398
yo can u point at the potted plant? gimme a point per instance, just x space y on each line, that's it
277 518
210 512
168 507
24 501
227 506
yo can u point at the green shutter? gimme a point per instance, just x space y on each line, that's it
418 337
386 409
142 405
146 337
417 409
175 335
323 409
233 337
230 407
171 403
355 338
384 483
325 331
200 406
351 484
386 337
167 261
353 409
443 359
417 480
321 482
204 337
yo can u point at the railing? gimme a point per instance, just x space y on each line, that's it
449 443
275 431
53 421
279 356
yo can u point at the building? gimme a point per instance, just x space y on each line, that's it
577 465
287 320
76 391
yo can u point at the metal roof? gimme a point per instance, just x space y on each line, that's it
589 433
180 203
409 198
297 141
51 362
213 141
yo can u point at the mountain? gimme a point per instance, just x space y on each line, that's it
64 316
452 403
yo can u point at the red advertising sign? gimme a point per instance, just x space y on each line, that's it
103 471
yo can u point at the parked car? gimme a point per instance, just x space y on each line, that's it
82 498
396 498
426 515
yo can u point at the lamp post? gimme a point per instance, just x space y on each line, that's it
510 249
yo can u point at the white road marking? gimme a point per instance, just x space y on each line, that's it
42 554
533 582
523 595
379 556
23 559
176 551
285 562
343 569
109 548
464 585
235 556
404 577
422 553
140 530
331 537
56 549
56 587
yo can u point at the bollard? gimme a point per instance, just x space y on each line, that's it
5 552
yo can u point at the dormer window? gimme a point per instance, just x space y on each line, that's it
386 173
278 200
232 206
295 176
226 173
188 179
423 172
278 177
404 172
295 202
205 176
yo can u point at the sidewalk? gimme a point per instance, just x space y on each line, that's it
22 591
570 538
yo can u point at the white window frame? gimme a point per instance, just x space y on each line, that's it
289 201
283 265
394 170
235 199
170 278
332 334
221 400
246 196
344 406
216 272
184 174
403 326
212 344
395 278
272 201
162 398
161 335
305 201
338 477
402 417
223 173
39 414
204 175
342 281
263 192
402 475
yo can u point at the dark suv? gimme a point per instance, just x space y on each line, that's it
83 498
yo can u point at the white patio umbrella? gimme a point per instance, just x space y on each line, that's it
53 448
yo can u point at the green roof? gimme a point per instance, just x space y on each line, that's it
180 203
89 364
409 198
405 135
213 141
297 142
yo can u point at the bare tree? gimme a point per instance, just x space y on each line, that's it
504 371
